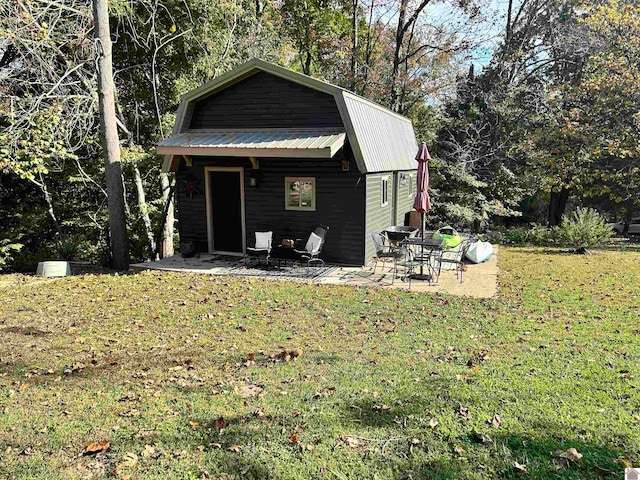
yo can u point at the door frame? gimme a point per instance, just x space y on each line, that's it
209 206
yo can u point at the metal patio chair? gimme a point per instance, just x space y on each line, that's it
312 250
455 256
262 247
386 251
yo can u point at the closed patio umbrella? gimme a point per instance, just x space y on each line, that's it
422 202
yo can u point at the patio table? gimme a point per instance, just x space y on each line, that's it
423 253
283 253
398 233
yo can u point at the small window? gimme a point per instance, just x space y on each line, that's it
411 185
300 193
384 191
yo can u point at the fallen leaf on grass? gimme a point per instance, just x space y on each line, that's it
570 454
562 458
249 390
352 442
130 413
220 423
96 447
234 448
287 355
433 423
327 392
496 421
463 413
130 460
481 437
75 368
28 451
149 452
625 462
519 466
293 439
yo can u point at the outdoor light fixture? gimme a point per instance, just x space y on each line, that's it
254 177
345 165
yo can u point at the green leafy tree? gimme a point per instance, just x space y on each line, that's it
608 104
512 118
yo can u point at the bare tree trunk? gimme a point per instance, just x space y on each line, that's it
557 206
144 211
368 52
110 142
354 46
393 94
507 39
49 201
403 27
628 217
167 230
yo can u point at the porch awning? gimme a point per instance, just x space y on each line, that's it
255 143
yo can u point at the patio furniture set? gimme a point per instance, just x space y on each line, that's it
414 255
420 255
289 250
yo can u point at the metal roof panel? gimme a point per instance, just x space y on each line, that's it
271 143
387 140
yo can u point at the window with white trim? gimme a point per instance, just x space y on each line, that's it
384 191
411 185
300 193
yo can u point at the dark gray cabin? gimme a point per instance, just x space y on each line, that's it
264 148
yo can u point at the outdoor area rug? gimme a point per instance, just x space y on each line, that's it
287 272
225 260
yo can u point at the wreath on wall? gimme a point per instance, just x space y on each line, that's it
191 186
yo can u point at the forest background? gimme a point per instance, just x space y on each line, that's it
529 108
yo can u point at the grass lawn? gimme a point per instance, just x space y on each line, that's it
188 376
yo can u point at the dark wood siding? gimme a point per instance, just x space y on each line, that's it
191 209
266 101
340 200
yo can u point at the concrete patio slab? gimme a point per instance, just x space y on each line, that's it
480 281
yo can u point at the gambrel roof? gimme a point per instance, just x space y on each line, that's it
381 140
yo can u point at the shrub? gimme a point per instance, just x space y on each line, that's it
8 250
67 250
541 236
533 234
584 228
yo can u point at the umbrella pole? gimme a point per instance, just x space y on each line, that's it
422 244
421 275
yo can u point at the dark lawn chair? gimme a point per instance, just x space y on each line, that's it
386 251
455 256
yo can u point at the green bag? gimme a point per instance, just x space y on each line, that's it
449 235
